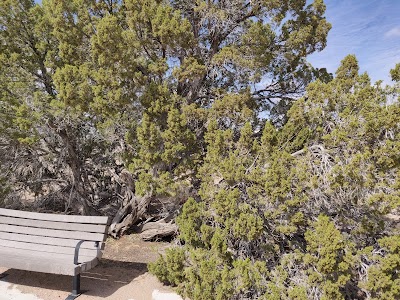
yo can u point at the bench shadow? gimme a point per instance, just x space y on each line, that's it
102 281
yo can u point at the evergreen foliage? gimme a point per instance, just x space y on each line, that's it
302 211
90 88
289 176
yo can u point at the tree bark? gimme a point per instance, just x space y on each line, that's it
76 167
132 209
159 229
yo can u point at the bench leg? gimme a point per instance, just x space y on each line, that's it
76 287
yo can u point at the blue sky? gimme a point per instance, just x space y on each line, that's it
370 29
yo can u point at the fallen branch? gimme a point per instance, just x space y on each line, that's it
159 229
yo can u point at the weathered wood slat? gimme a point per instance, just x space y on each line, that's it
48 248
54 217
53 233
38 265
33 261
44 240
52 225
58 257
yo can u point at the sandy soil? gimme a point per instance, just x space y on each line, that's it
121 275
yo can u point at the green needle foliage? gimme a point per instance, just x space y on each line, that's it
290 177
91 87
302 211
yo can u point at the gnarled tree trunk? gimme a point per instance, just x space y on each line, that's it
132 207
131 210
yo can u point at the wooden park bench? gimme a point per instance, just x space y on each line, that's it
51 243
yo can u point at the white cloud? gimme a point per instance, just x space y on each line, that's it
394 32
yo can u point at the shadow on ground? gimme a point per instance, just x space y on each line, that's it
101 282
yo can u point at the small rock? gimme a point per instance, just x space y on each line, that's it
157 295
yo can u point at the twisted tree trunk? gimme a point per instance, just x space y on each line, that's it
131 210
78 176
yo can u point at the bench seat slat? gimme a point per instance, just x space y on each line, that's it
42 240
49 248
61 257
54 217
36 265
46 243
55 264
53 233
52 224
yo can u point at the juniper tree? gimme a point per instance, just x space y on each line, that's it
108 85
288 215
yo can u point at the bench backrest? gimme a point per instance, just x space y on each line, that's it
52 232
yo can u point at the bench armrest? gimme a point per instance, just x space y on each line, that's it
78 246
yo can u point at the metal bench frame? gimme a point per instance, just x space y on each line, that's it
76 281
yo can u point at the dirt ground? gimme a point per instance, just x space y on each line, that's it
121 275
